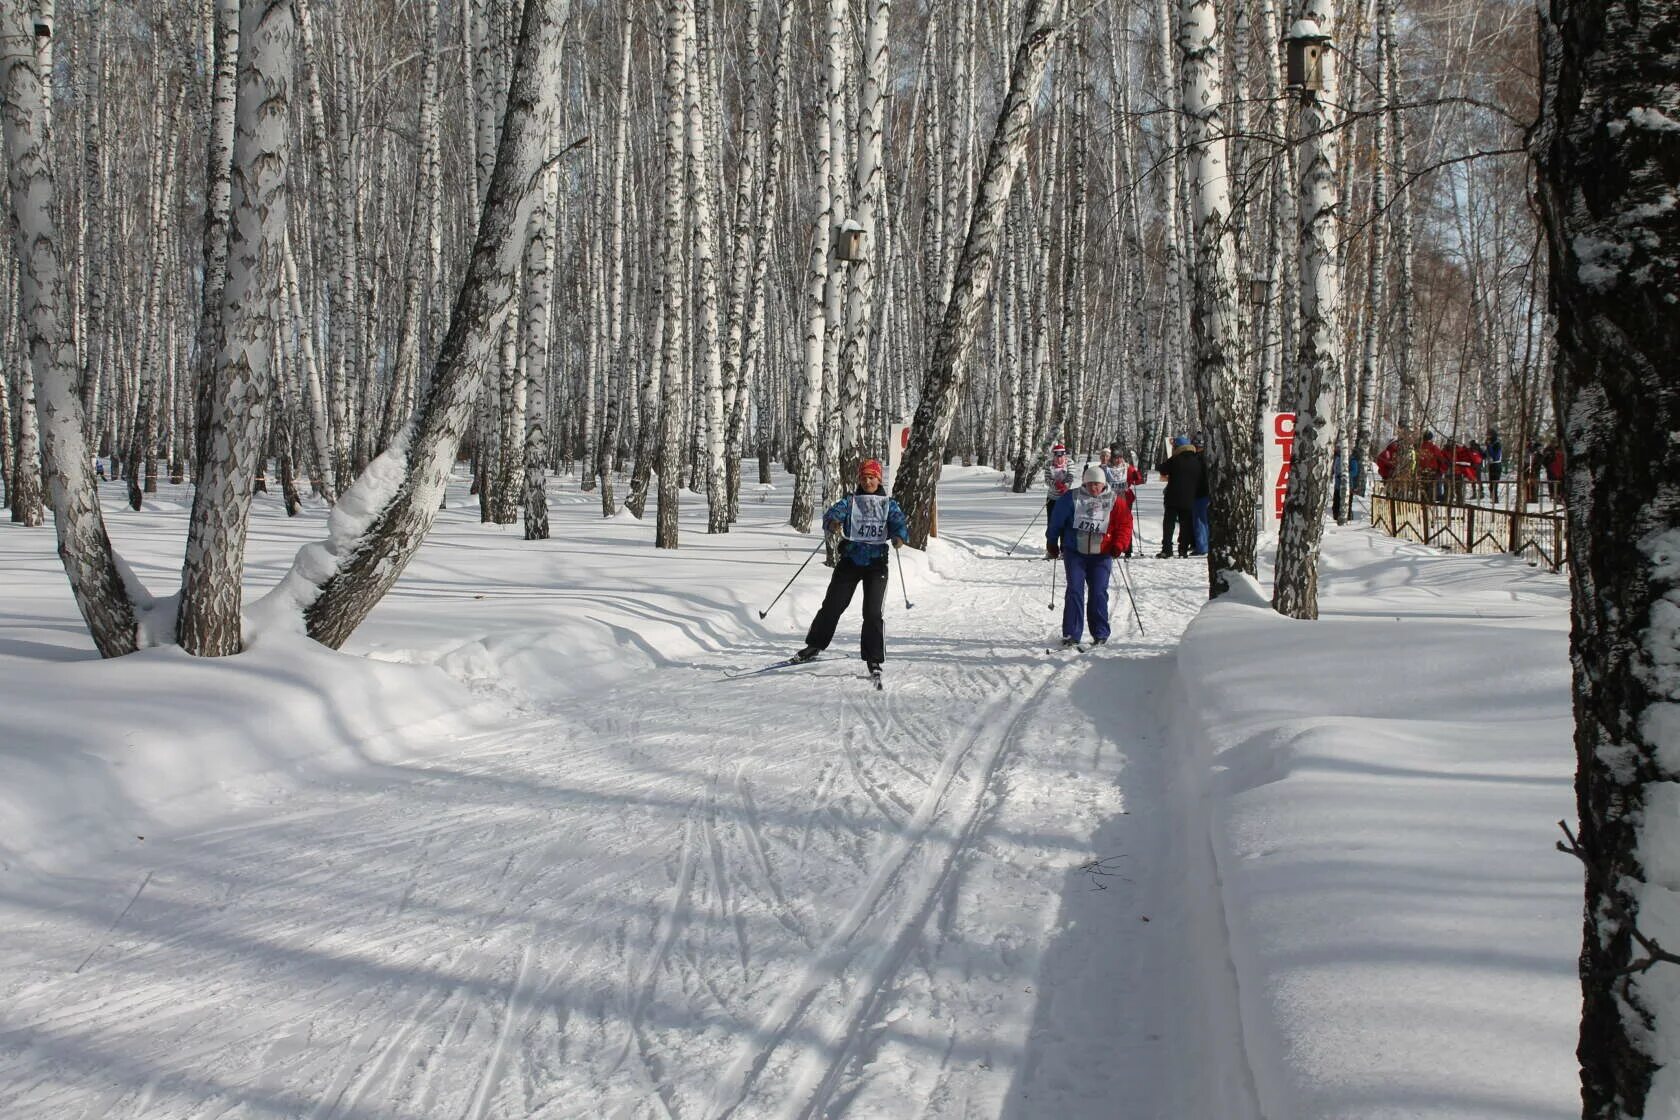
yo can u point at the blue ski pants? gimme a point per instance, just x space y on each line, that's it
1087 594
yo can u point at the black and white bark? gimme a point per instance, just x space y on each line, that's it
84 547
209 622
387 513
1295 592
673 242
618 367
217 197
1608 147
1223 382
918 475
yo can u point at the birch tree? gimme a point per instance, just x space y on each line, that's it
674 241
209 621
1608 146
1222 378
335 583
1295 592
83 544
918 474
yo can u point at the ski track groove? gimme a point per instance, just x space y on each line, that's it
836 953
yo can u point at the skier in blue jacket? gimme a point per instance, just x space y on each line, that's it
868 520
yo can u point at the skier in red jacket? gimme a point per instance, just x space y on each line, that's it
1088 529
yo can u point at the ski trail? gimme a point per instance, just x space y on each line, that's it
670 924
992 729
519 1000
942 859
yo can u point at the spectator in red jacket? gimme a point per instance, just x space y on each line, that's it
1386 458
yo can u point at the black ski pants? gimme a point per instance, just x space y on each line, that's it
845 580
1185 519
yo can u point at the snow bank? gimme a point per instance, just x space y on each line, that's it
98 754
1383 786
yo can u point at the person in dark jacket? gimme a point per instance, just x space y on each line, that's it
1493 460
1088 529
1186 478
868 520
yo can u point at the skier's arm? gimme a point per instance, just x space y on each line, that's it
898 526
837 514
1060 514
1118 538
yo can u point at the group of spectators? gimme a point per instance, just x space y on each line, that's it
1185 502
1459 470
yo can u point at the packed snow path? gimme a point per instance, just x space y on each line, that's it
682 896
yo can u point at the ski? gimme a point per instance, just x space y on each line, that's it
785 663
1077 647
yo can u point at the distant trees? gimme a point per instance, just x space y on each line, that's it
1110 296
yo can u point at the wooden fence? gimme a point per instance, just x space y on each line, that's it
1480 529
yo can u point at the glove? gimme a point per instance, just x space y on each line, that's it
898 542
1052 551
1115 553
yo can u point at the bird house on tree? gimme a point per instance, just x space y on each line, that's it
1304 49
848 241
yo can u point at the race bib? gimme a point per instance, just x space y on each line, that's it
867 523
1090 519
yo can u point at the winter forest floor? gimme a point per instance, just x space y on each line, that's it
527 852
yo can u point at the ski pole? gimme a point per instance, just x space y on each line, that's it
901 585
1053 566
1024 532
795 576
1126 574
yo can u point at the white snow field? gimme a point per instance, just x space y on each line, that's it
524 851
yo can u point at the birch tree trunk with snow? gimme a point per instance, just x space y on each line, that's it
84 547
390 509
209 622
1295 592
217 197
1376 276
742 260
539 283
1608 145
918 473
868 186
1402 222
1222 378
678 13
696 78
806 447
617 366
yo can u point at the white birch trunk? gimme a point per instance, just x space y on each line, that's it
918 475
1222 381
83 544
209 622
678 14
806 448
619 379
539 284
869 184
337 582
696 76
1295 592
217 195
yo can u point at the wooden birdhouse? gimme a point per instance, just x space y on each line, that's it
1304 49
849 241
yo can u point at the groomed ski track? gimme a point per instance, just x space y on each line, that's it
980 892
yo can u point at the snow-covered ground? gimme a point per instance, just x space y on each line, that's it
523 850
